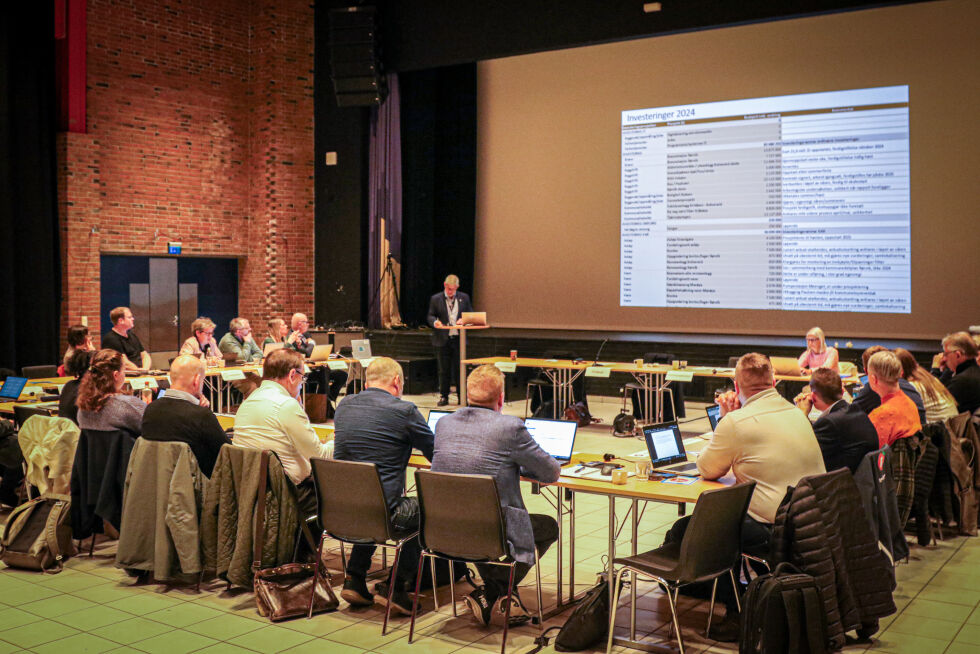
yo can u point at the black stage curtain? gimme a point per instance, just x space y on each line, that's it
30 267
438 124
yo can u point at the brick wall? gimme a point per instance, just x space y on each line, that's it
199 129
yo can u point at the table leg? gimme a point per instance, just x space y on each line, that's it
571 548
611 552
560 502
636 523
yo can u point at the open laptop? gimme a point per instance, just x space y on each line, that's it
785 366
556 437
666 448
361 348
271 347
12 388
478 318
321 352
714 415
435 415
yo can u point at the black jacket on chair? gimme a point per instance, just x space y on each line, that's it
438 311
98 480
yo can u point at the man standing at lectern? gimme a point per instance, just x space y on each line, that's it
447 308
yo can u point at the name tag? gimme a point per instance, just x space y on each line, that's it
232 375
31 391
337 365
143 382
506 366
597 371
680 375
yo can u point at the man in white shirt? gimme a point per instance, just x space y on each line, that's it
272 418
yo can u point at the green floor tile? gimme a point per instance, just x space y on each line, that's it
57 605
224 627
183 614
77 644
131 631
9 648
71 583
107 592
228 648
11 617
37 633
93 617
143 603
271 639
174 642
321 647
26 594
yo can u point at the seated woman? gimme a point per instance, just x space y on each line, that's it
78 339
278 332
938 401
817 354
76 367
102 404
202 343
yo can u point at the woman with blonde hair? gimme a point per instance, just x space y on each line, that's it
278 331
938 401
202 343
817 354
102 404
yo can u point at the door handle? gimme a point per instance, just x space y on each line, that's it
175 321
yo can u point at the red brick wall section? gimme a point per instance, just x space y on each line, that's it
200 129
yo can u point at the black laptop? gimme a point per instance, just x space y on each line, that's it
435 415
666 447
12 388
714 415
556 437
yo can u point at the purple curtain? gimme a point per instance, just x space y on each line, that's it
384 191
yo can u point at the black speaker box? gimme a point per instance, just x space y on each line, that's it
355 57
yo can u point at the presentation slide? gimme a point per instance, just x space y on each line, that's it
790 202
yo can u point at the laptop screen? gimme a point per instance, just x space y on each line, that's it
12 387
361 348
556 437
434 416
714 415
664 442
864 380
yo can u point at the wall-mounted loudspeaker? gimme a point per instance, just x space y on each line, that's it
355 57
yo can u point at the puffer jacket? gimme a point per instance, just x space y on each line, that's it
227 524
818 530
964 449
160 530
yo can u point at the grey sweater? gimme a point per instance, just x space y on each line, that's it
120 412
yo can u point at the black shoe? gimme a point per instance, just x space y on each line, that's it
356 592
443 401
400 600
518 613
726 631
480 605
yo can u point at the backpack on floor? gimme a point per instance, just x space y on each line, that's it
783 612
37 535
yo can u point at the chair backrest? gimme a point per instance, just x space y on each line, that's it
350 500
37 372
733 361
461 515
712 542
659 357
24 411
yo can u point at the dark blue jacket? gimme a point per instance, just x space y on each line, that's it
377 427
438 311
846 435
868 400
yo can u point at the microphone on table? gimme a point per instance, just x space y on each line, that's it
596 362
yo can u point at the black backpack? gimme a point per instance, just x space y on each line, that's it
783 612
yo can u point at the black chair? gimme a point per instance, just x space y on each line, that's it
24 411
461 520
37 372
711 547
672 410
352 508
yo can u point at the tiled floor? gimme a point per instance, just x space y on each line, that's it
93 607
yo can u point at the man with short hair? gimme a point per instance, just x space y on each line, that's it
272 418
124 340
239 341
897 417
378 427
868 400
481 440
446 309
299 341
960 372
844 432
182 414
762 438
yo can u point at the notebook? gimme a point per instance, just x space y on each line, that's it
435 415
666 448
321 352
556 437
714 415
12 387
361 348
474 318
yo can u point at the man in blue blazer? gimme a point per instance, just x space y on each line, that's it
447 308
844 431
479 439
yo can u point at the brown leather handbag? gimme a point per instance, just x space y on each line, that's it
284 592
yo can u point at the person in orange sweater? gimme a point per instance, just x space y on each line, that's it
897 417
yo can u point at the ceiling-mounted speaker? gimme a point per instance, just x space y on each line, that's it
355 57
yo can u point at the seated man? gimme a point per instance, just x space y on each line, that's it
868 400
122 339
183 415
299 341
481 440
378 427
239 341
844 432
761 437
897 417
960 372
272 418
